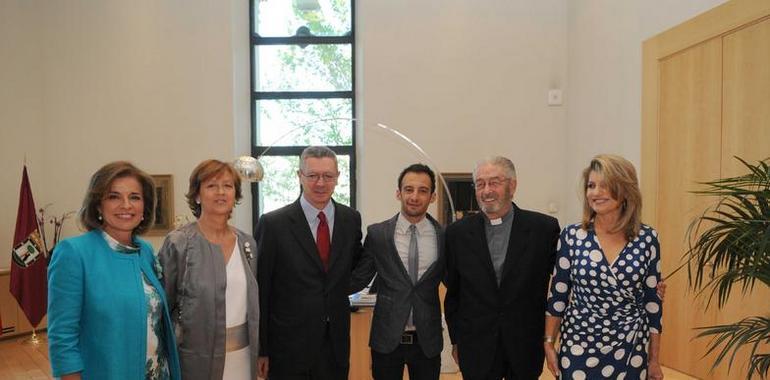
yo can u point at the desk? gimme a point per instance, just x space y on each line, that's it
360 355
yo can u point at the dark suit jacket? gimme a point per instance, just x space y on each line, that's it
396 295
480 313
297 296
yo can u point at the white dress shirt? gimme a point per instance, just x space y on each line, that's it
311 214
427 244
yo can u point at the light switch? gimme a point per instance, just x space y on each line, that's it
554 97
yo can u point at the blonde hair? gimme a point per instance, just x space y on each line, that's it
620 176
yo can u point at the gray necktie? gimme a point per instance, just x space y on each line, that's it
414 261
414 265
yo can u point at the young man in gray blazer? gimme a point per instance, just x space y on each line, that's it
406 252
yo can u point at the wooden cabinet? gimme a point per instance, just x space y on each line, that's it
14 320
8 305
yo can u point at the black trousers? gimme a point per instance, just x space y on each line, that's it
501 368
325 366
390 366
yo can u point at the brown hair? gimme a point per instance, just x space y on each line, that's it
620 176
203 172
100 184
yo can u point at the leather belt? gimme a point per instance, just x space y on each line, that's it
237 337
409 337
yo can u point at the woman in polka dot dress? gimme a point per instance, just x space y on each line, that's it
610 265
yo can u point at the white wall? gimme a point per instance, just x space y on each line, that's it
21 133
463 79
605 77
165 84
91 82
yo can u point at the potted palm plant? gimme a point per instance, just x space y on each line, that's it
730 246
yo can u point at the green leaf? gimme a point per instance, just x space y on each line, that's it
729 244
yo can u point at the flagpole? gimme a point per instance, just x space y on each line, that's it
34 339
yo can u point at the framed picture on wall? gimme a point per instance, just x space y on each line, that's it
164 210
463 195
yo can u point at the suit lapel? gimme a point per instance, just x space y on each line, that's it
341 228
517 243
304 236
477 233
391 251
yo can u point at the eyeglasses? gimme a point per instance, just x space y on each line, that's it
492 183
315 177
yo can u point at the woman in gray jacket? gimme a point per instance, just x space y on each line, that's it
209 277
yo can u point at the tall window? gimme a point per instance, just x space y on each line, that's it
302 93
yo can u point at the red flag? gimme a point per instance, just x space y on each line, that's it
29 264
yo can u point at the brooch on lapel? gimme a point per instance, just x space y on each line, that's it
247 249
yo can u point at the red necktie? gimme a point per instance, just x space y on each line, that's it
323 240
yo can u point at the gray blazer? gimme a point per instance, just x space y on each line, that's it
396 294
194 278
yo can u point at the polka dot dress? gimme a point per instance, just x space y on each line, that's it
614 306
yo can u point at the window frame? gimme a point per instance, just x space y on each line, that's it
295 150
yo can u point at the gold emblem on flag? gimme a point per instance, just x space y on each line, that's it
28 251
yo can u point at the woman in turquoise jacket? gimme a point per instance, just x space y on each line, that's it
107 312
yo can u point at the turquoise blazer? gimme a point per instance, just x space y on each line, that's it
97 312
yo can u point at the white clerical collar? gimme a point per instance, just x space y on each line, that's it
499 221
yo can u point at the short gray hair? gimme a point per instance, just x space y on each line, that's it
318 151
499 161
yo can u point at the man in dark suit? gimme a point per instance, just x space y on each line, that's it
498 265
306 254
406 251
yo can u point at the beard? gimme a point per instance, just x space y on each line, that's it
498 204
492 208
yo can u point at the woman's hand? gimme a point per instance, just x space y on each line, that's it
549 337
552 359
654 371
263 366
661 290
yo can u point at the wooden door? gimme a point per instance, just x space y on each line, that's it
746 125
690 126
706 98
745 133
